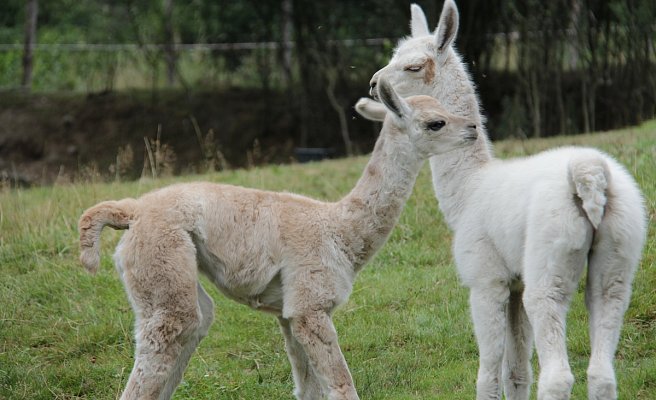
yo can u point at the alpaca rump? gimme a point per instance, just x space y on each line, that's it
524 230
280 253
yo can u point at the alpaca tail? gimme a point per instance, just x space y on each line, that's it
590 176
116 214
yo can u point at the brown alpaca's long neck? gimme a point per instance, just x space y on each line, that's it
373 207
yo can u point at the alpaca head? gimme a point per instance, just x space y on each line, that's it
426 63
421 121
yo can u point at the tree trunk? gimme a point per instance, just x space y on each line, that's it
307 40
287 32
332 76
534 95
169 45
560 102
30 41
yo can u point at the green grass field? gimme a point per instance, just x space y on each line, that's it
406 330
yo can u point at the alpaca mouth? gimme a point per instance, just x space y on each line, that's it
374 93
471 137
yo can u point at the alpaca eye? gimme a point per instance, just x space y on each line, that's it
435 125
414 68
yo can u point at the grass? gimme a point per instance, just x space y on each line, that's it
406 330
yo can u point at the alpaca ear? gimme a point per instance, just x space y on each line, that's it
418 23
447 27
371 109
394 103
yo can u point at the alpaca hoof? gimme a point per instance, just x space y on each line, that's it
555 385
344 392
601 386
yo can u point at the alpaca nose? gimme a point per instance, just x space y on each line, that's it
372 88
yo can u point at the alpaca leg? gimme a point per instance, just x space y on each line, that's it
610 275
161 283
206 307
547 308
488 308
517 373
484 272
547 296
316 334
554 258
160 341
307 384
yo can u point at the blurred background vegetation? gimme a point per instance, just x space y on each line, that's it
208 84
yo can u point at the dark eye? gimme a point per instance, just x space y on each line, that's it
435 125
414 68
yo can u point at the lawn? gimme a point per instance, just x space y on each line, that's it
406 330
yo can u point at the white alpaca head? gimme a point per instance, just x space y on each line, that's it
420 60
426 63
421 119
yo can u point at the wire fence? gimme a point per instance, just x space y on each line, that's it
184 46
86 67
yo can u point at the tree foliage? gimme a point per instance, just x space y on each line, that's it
552 67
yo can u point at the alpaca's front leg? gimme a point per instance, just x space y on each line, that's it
307 384
315 332
483 271
488 307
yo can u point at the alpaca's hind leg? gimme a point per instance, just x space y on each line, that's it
315 332
161 282
307 384
517 373
160 340
488 308
610 274
547 295
206 306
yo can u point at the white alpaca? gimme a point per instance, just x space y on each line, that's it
280 253
524 230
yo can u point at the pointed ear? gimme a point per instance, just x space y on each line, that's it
371 109
418 23
394 103
447 27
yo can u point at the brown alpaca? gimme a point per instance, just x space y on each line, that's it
288 255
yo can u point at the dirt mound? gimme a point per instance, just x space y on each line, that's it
70 136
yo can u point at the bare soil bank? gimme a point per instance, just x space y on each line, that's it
69 136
